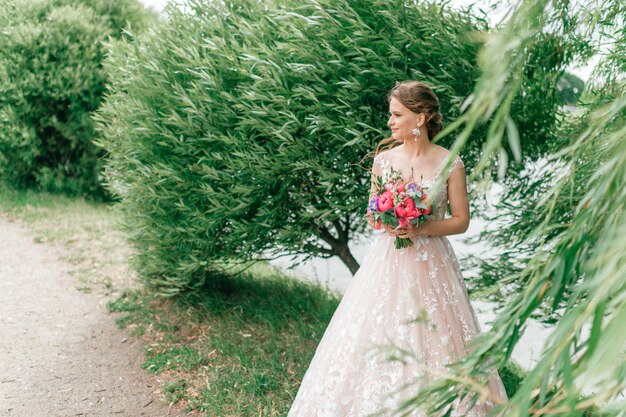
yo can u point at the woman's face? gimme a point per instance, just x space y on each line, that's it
402 120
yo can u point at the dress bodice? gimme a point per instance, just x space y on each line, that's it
440 201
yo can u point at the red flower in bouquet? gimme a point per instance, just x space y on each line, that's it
385 201
406 211
398 204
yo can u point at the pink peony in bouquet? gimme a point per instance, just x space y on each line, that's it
398 204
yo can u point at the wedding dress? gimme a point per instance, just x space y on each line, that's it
348 376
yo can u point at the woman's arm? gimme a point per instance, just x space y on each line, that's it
459 207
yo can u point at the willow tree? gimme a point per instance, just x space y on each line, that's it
237 131
571 230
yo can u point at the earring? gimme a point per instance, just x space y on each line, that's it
416 133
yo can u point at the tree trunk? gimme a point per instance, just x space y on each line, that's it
346 256
339 246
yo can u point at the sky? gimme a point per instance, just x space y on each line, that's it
495 16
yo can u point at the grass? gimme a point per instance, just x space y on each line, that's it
237 348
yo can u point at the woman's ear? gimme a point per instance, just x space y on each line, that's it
421 119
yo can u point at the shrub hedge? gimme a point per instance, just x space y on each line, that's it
51 79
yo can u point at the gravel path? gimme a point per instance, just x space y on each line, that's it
61 353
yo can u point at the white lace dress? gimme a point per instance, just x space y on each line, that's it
348 375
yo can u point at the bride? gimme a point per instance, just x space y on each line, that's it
412 298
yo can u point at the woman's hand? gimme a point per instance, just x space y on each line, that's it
392 231
406 232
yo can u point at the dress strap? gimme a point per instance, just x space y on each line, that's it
383 164
456 164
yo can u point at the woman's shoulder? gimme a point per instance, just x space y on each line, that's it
445 154
383 155
456 164
441 152
388 154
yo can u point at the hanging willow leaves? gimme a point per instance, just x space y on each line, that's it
571 229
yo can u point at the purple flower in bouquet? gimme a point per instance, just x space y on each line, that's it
374 203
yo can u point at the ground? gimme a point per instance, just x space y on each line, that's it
62 354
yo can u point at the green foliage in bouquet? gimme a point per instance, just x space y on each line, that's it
234 132
51 79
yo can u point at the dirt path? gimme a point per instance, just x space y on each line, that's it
61 353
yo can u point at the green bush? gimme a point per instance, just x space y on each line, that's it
235 131
51 79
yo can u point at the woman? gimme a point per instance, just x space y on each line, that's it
413 298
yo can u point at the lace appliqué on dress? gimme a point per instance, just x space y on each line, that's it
421 247
413 299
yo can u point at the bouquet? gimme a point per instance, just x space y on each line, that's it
397 203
